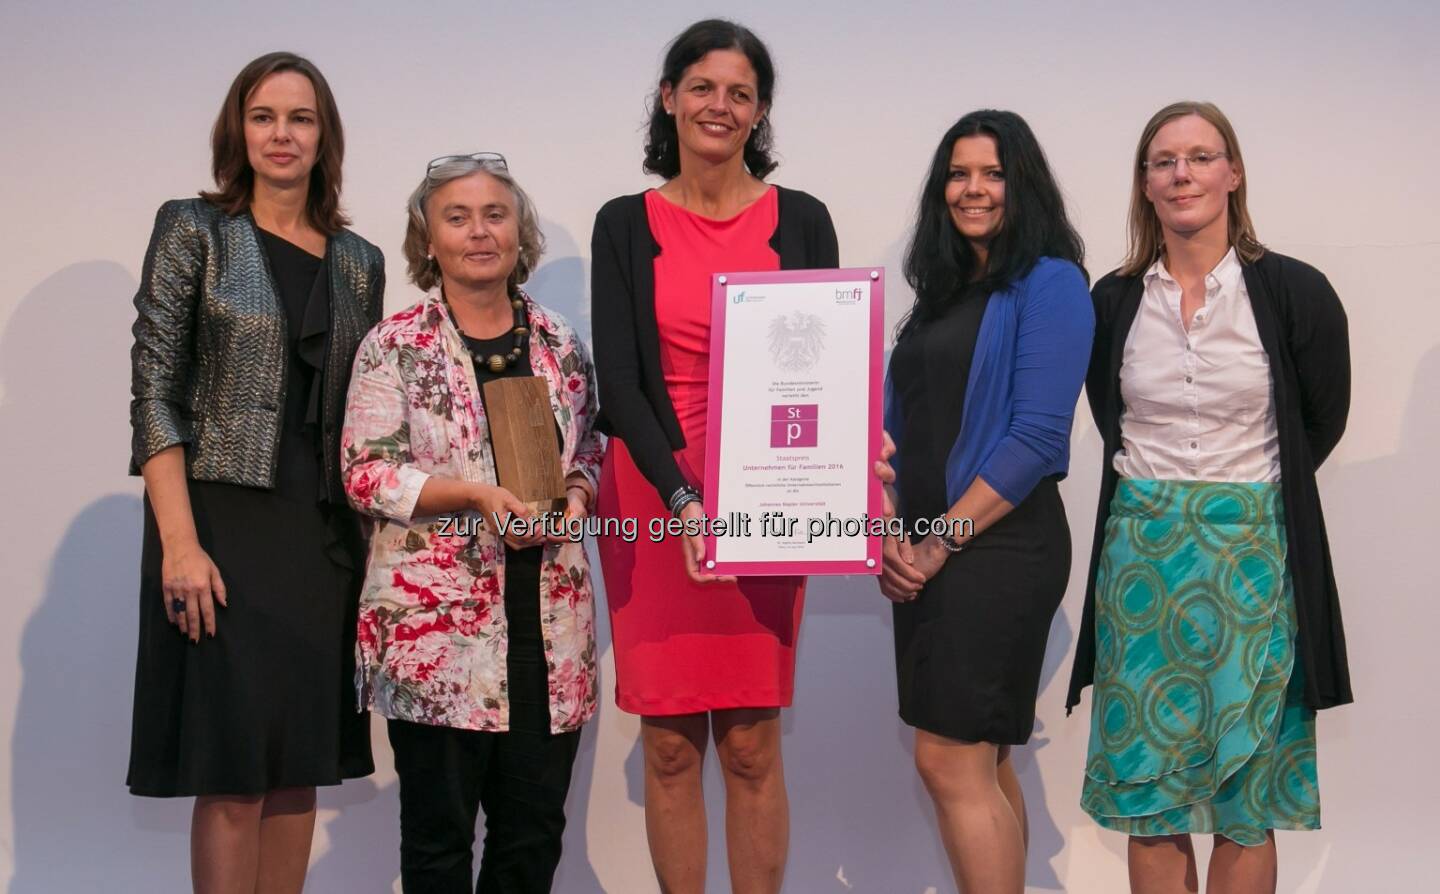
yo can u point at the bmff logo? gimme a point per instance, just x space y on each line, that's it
794 425
848 296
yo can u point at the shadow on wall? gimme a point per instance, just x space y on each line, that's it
562 283
364 836
72 728
65 375
1387 595
64 366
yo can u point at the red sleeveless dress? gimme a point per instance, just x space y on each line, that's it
681 647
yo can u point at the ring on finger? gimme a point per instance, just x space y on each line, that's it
177 605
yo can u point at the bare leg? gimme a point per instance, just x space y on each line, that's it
1163 864
979 828
675 800
225 843
287 828
1010 785
757 811
1242 870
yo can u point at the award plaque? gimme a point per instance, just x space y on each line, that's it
522 431
794 422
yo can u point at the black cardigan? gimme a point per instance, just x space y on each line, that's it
634 405
1304 332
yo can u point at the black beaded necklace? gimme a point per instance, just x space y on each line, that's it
498 363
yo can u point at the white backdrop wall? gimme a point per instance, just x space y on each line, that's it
107 109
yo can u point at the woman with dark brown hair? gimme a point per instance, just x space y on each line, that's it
252 302
698 657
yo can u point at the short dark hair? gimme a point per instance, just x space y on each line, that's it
941 266
662 146
230 163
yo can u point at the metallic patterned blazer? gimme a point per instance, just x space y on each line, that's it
208 365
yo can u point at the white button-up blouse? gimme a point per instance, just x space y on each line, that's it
1199 404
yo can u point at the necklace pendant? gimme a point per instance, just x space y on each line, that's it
496 363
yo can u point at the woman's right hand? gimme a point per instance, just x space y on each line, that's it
191 586
886 473
899 580
693 547
494 503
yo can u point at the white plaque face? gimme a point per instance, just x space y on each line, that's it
794 422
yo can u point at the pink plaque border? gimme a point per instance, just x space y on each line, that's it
874 498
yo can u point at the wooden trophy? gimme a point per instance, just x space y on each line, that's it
522 430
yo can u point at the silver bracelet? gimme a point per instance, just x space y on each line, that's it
684 495
951 545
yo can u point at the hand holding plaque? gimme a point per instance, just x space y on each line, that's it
522 431
793 422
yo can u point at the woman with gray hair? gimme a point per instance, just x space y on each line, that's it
476 638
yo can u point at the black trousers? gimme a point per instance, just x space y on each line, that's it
520 778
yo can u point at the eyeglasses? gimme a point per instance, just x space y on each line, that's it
1162 168
484 159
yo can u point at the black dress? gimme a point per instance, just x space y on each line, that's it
969 650
269 702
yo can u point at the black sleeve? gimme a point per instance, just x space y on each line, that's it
1319 341
617 364
1098 372
824 246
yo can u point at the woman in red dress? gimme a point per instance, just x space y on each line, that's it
696 655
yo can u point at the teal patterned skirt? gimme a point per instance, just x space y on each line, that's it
1199 722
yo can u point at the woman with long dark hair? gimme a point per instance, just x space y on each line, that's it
1220 381
980 396
252 301
697 656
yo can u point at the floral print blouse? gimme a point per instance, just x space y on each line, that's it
432 638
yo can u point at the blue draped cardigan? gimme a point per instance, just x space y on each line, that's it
1030 360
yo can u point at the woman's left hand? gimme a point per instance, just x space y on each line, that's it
577 506
930 556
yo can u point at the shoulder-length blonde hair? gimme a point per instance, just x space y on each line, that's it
230 162
1146 239
424 270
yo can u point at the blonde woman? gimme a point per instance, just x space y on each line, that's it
1220 381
